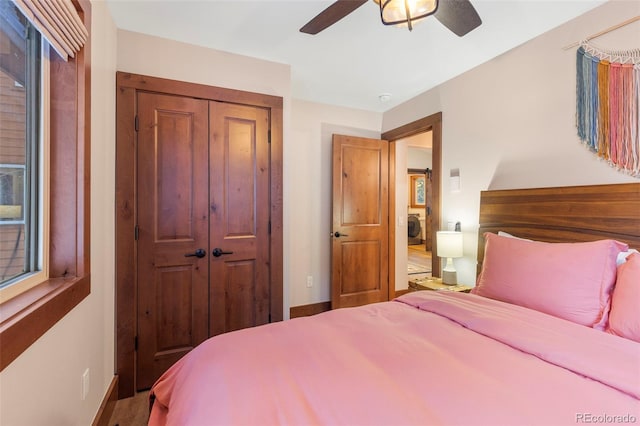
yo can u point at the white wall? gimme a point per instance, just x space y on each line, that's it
418 158
43 385
161 57
309 246
509 123
103 176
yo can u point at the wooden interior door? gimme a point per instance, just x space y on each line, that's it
360 231
173 223
239 157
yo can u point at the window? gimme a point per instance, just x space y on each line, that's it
21 149
418 193
28 315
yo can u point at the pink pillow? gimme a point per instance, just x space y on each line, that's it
568 280
624 319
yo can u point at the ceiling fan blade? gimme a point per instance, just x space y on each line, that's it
331 15
458 15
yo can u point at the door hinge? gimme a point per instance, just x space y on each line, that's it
269 228
136 233
136 123
135 343
269 316
269 136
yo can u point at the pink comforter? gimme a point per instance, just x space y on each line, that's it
427 358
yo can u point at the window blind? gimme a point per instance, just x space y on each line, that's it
58 22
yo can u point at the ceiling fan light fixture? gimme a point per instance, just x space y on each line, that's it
405 12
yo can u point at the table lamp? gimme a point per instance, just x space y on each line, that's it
449 246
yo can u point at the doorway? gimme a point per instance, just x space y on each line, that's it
399 198
419 203
419 207
198 220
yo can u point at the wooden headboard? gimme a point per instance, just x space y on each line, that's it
563 214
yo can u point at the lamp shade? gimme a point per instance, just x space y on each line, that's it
449 243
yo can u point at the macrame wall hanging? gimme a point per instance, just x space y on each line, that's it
607 105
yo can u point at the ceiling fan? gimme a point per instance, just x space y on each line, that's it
457 15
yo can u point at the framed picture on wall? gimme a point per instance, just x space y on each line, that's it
418 191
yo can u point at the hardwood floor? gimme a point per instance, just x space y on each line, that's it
419 260
132 411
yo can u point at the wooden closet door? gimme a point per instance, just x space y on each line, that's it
173 222
239 207
203 184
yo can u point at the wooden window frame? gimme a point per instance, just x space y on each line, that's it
26 317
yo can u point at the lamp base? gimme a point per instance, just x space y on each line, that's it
449 278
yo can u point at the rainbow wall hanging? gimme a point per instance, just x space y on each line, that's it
607 105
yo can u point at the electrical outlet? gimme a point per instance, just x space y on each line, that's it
309 281
85 384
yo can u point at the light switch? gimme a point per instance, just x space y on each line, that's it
454 180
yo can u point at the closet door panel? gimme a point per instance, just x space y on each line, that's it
239 207
173 222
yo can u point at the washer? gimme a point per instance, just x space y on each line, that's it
414 229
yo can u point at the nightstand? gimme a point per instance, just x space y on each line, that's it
435 284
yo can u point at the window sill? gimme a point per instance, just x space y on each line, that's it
26 317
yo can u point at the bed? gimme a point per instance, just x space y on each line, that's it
557 344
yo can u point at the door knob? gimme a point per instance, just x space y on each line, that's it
217 252
198 253
338 235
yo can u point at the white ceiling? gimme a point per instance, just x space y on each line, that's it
354 61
